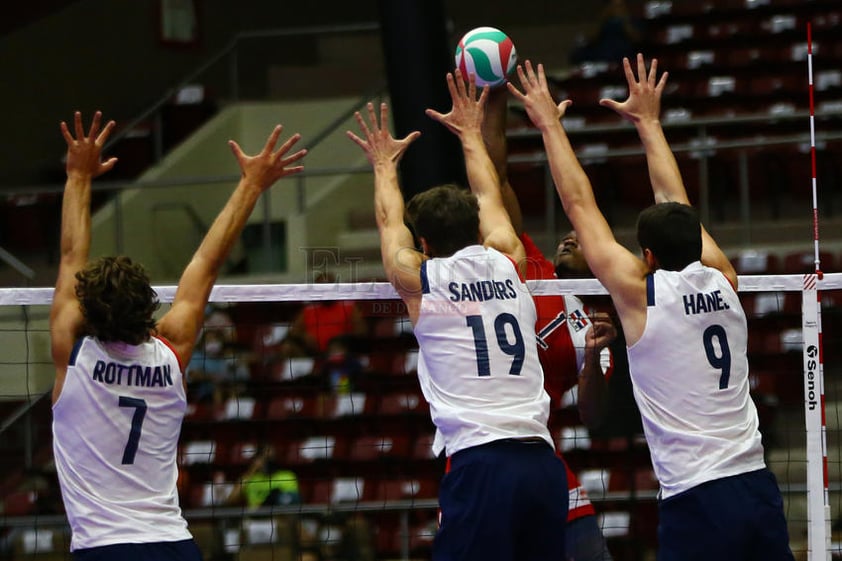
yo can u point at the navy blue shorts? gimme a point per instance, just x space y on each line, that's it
733 518
503 501
185 550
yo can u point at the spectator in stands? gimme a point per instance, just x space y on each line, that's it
335 333
328 321
265 483
616 36
219 366
119 395
504 495
571 351
686 334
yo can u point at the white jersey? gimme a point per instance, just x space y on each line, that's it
116 426
477 361
690 376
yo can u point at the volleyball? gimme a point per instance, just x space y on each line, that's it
488 53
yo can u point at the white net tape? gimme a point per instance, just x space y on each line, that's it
384 291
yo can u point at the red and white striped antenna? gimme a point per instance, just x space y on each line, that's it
816 257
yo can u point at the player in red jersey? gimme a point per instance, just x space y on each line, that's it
572 342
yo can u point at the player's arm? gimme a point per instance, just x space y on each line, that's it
643 108
494 135
401 261
181 324
83 164
465 120
592 384
622 274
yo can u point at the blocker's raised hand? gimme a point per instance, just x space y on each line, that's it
84 152
269 165
644 101
468 112
536 97
377 142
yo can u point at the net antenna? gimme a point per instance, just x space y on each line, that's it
818 496
816 257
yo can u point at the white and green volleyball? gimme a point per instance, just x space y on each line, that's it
488 53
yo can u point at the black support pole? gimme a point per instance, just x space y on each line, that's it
418 56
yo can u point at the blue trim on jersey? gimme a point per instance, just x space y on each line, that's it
76 346
650 289
425 284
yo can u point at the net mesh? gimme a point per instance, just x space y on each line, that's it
307 436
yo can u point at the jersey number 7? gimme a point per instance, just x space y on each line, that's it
137 424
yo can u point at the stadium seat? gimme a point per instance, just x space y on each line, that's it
398 489
421 536
337 490
19 503
292 406
269 539
208 536
756 262
198 452
240 453
39 544
401 403
308 450
345 404
379 447
802 262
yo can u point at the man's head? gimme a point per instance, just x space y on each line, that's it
446 218
569 260
117 300
672 232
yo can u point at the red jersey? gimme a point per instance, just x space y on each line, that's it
326 320
561 328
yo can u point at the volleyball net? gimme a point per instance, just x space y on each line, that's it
307 436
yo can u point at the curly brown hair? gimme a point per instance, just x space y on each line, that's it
117 300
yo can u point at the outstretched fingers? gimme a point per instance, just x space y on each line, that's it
65 132
105 133
289 143
77 122
384 115
235 148
372 117
269 147
94 130
292 159
653 72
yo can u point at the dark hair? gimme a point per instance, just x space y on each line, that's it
446 216
117 300
672 232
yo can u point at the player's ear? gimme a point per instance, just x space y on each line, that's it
651 260
425 247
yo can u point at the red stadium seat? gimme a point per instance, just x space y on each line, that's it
422 448
19 503
292 406
802 262
400 403
379 447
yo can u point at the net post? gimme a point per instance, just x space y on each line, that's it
818 500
